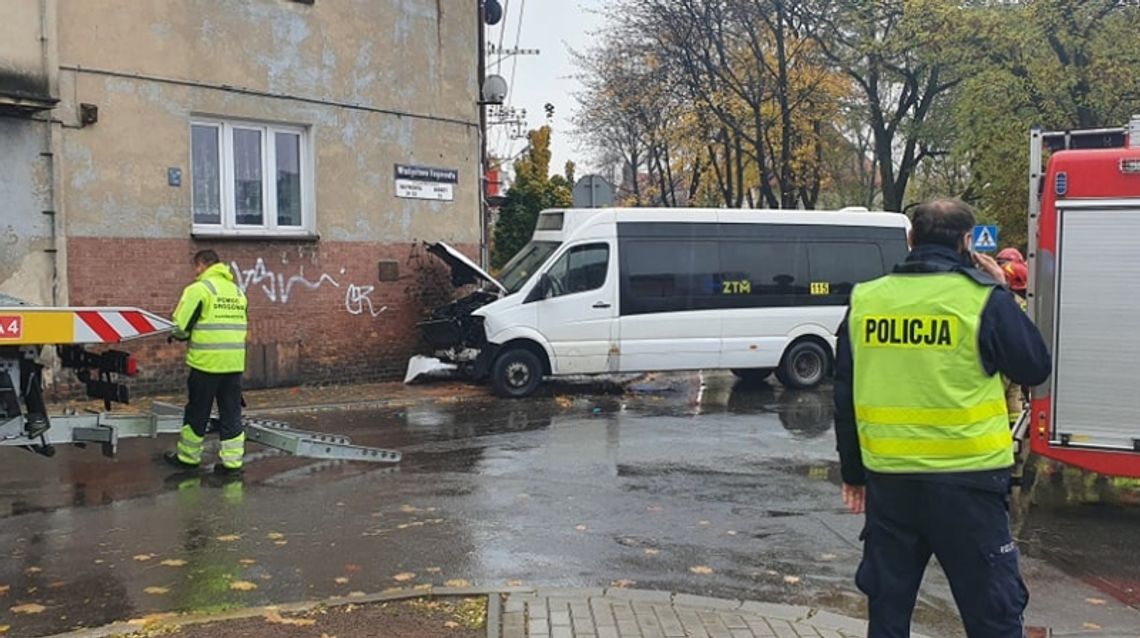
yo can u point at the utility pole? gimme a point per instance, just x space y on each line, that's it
484 230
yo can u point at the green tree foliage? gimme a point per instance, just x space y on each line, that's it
532 191
1058 64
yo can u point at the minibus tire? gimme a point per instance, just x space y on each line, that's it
516 373
804 366
753 375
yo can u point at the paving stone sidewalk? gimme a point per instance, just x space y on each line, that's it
631 613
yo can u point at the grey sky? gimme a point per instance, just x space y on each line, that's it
552 26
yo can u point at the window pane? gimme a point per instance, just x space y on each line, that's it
763 268
247 177
678 270
288 146
581 269
842 266
206 185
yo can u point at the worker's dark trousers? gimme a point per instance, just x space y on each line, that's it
966 529
204 388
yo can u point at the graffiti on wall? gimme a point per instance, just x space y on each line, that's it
279 287
275 286
358 299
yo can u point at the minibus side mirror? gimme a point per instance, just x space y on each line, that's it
540 290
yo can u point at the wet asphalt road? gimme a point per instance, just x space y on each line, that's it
693 484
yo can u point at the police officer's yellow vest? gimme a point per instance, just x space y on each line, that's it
217 340
923 401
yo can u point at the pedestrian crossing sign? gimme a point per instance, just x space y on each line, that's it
985 238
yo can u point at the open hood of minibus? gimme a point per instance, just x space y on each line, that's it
463 270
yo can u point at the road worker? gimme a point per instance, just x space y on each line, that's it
922 430
211 317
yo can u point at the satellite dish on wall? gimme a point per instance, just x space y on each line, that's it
494 89
492 12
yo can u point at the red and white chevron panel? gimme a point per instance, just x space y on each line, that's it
112 325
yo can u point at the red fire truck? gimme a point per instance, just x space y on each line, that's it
1084 295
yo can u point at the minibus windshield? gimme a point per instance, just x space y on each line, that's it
525 262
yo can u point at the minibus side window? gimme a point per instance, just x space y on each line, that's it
580 269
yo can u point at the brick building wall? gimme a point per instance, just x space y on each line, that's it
318 311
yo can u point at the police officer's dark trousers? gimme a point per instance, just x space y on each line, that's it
204 388
966 529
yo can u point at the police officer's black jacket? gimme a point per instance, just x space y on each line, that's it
1008 342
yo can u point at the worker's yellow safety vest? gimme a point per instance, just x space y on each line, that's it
217 339
923 401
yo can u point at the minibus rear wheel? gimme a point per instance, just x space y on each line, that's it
805 365
516 373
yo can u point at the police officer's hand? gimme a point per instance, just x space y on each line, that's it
855 498
989 265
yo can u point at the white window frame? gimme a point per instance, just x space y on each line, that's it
269 227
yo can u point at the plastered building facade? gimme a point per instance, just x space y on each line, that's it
135 132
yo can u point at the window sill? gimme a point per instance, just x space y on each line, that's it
221 235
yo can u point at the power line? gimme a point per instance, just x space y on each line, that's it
514 67
502 32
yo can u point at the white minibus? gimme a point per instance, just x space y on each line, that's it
621 290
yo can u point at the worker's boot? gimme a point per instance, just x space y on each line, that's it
222 470
35 425
172 459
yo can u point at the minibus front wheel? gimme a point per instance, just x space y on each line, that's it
516 373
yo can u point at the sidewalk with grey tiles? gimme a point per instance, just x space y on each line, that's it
632 613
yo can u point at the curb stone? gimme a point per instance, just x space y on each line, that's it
516 601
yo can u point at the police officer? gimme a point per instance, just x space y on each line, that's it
211 316
922 430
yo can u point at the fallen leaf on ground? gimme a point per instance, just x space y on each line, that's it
623 583
772 572
433 570
409 509
229 538
731 532
340 580
143 557
703 523
242 585
392 590
1091 625
404 576
649 551
277 619
275 536
150 619
247 561
580 528
701 569
827 557
280 542
32 570
173 562
351 568
423 587
451 624
458 582
99 561
4 628
4 589
157 591
514 583
1096 601
28 608
356 594
791 580
563 402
